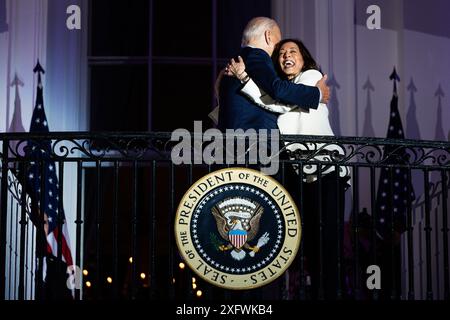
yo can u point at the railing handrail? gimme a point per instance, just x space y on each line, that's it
167 135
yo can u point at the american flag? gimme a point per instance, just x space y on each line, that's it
39 152
394 189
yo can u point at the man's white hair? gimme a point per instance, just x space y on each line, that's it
255 28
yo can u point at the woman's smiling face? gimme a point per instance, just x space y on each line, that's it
290 59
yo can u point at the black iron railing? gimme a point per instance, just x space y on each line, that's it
117 195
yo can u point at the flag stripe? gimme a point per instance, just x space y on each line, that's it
53 246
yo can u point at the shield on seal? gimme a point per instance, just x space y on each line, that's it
237 237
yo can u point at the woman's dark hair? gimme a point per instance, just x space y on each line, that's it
308 60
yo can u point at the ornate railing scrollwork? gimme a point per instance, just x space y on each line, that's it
339 150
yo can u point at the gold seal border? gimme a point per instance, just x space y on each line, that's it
237 282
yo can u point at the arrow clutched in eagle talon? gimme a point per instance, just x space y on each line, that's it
262 241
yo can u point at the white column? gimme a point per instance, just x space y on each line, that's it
66 70
20 46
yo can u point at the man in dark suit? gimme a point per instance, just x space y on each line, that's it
238 112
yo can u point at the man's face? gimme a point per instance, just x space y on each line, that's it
275 37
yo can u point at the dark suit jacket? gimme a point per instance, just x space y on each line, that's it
237 111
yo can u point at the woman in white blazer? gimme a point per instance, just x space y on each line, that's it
294 62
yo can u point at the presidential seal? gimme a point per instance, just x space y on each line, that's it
237 228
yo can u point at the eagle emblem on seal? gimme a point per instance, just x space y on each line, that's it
237 221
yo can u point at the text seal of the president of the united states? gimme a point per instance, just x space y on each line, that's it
237 228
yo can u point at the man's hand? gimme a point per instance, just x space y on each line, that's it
324 89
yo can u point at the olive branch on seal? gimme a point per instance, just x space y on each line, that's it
215 241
